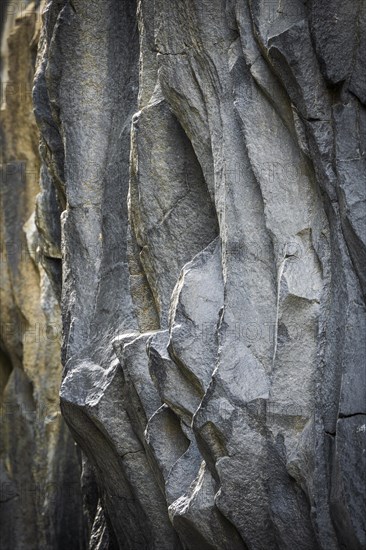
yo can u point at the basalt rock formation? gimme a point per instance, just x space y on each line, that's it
202 223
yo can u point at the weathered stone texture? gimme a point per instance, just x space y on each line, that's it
202 224
40 494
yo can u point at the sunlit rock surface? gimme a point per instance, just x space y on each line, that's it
40 493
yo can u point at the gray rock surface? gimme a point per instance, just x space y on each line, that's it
202 221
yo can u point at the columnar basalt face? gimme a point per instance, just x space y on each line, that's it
202 222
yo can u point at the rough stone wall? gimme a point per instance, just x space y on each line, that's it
40 495
202 223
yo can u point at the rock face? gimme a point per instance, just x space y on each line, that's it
40 493
202 222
